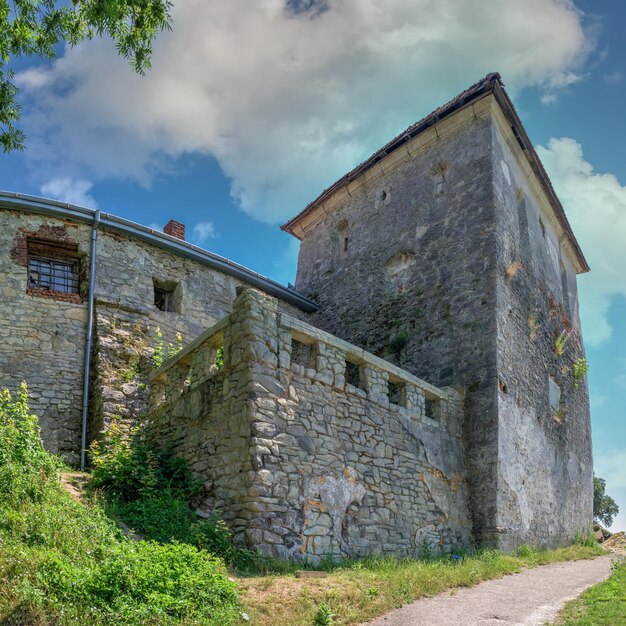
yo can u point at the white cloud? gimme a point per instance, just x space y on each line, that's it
596 207
286 95
70 190
204 231
613 78
559 82
611 465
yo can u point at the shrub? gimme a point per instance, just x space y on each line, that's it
398 341
324 615
128 466
170 519
148 488
25 467
162 352
580 370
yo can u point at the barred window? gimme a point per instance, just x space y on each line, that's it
52 267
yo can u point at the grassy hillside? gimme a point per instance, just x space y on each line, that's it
64 562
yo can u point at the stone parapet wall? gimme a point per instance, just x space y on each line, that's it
310 446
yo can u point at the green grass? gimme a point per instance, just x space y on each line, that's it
63 562
357 591
602 605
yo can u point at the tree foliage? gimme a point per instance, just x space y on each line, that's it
604 507
34 28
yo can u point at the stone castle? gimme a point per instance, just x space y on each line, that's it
416 391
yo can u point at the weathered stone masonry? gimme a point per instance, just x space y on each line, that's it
301 462
448 253
42 334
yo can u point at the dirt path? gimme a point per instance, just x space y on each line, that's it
530 598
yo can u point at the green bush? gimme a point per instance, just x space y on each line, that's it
127 466
25 467
65 563
148 488
169 519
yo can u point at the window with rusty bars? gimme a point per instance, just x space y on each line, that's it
52 267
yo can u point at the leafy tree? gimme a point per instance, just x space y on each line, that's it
34 28
604 507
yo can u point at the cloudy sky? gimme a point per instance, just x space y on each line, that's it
252 108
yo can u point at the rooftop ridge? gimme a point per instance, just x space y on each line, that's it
491 83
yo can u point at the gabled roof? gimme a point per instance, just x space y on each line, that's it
31 204
491 84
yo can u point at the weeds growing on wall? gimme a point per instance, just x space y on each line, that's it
161 351
63 562
580 370
219 358
560 343
398 341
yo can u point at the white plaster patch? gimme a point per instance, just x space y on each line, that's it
554 255
505 171
332 495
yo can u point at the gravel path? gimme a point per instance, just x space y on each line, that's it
530 598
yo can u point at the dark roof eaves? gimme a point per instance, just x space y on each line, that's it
492 83
476 90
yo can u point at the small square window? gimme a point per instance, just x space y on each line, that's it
353 374
53 267
167 296
302 354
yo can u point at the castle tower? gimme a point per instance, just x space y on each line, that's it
448 253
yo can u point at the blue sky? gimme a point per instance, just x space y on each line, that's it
251 109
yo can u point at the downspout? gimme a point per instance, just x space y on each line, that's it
92 280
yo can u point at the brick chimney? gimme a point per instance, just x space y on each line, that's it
175 229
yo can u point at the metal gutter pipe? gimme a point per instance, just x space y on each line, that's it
43 206
88 342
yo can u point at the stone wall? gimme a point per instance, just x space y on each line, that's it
42 340
303 463
42 337
545 473
415 282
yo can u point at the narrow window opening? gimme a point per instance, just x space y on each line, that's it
167 296
353 375
432 409
394 392
565 287
343 235
542 226
522 221
302 354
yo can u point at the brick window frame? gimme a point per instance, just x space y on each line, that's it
53 270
